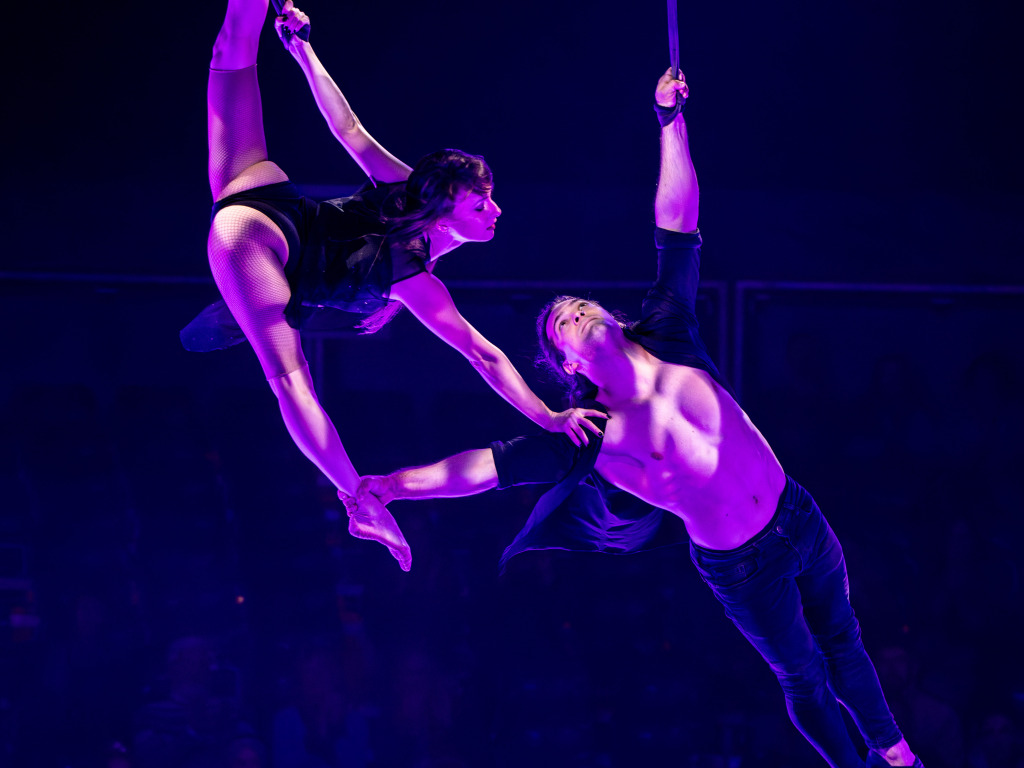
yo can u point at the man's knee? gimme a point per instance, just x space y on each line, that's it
804 679
842 641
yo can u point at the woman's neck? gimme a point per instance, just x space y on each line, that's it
440 241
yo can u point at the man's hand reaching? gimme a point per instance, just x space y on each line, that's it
377 486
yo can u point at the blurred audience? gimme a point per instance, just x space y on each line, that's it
323 726
567 660
925 720
997 743
195 720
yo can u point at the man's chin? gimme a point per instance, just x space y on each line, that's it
595 334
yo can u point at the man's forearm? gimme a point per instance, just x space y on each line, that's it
463 474
676 204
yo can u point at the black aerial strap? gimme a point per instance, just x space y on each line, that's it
673 36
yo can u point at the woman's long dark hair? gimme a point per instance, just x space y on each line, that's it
429 194
432 187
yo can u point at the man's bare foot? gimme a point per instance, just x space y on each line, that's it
373 521
897 755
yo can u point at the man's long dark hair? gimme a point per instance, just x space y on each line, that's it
550 358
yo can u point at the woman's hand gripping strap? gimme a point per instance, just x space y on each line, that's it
290 22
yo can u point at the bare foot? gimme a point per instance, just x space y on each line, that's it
373 521
899 755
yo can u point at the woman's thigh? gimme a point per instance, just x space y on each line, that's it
237 144
247 253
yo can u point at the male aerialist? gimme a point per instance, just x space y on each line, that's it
677 442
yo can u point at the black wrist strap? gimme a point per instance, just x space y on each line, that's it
667 114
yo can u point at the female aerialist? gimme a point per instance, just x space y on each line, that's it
275 254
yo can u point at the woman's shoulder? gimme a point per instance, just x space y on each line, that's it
365 211
387 198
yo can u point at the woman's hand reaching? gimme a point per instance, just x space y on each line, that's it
575 423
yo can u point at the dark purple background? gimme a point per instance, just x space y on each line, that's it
144 490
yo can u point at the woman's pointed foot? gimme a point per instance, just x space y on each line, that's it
373 522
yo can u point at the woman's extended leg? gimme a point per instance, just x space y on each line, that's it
238 146
246 254
248 251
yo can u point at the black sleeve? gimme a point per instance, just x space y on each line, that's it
408 259
671 301
543 458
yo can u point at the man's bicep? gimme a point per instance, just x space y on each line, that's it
543 458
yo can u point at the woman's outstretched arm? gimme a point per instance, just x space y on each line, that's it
376 162
428 299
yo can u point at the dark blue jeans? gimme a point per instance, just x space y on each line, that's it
786 590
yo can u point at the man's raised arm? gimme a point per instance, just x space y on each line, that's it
677 201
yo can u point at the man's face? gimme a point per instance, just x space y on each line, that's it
578 328
474 217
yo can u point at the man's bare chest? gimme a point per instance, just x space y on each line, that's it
675 429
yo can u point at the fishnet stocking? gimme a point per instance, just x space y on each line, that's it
247 250
247 254
238 146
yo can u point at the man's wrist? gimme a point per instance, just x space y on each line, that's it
390 489
666 115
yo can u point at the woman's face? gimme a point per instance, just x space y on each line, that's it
474 217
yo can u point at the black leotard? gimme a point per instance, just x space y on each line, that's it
339 256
